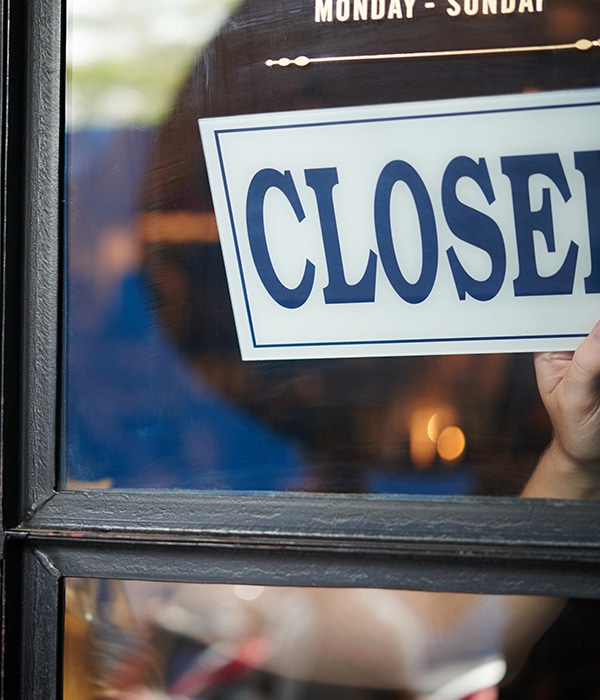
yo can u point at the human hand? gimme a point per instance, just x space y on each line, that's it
569 385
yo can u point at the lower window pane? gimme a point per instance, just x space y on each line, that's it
159 641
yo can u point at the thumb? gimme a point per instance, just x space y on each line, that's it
584 370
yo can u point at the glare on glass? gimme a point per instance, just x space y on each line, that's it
157 641
156 394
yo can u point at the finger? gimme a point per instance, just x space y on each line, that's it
550 368
584 371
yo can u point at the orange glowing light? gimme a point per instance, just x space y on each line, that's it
451 444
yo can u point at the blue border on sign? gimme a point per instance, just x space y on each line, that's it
218 133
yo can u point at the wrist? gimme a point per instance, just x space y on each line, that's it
560 475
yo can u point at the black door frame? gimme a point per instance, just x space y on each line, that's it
465 544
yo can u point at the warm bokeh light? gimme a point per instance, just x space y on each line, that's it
426 425
442 418
422 447
451 444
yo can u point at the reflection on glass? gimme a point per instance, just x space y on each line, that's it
156 394
144 641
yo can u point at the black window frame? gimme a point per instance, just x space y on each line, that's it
464 544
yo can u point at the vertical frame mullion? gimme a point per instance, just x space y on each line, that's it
41 241
33 635
31 162
41 625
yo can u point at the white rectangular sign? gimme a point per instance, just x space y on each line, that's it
469 225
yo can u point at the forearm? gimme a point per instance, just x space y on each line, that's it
344 636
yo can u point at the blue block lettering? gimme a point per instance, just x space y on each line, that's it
474 227
589 164
401 171
262 182
519 169
337 291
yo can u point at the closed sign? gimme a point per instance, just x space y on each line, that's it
469 225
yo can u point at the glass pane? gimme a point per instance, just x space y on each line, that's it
151 641
156 395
